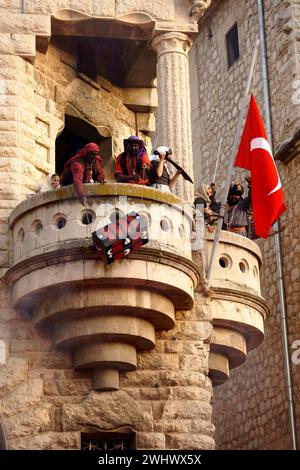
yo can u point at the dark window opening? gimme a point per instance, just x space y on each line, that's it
232 44
122 62
108 441
88 217
75 135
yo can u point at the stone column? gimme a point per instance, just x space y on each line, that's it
173 127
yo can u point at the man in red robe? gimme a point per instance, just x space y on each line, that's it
133 165
85 167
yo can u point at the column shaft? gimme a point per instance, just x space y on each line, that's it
174 109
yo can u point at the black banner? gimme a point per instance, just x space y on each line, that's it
145 459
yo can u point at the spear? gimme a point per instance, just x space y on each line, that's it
230 166
218 158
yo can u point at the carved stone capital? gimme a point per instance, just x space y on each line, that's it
198 9
172 42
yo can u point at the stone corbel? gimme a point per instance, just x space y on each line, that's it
198 9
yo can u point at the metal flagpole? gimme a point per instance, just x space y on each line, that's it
282 301
230 166
218 158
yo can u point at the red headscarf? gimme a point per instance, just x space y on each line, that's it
91 147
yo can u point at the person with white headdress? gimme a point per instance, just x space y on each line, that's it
203 197
50 182
161 178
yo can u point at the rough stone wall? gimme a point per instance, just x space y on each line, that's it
9 190
250 411
282 26
216 91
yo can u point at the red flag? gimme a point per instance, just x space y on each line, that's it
255 154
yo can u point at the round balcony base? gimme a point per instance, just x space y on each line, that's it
105 328
105 380
117 355
218 368
229 343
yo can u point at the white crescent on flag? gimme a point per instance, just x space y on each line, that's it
262 143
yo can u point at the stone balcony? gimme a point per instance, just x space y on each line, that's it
238 309
102 313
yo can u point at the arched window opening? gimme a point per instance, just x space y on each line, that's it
75 135
122 439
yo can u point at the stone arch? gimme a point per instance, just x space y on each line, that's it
76 133
105 111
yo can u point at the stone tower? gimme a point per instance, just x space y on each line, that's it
130 350
251 411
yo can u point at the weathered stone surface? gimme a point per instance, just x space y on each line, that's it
4 259
191 393
22 398
201 426
29 423
53 360
158 361
108 410
173 425
183 378
28 345
13 5
14 372
8 138
150 441
189 441
19 44
8 113
186 409
20 23
193 363
191 331
67 387
158 393
21 330
47 441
